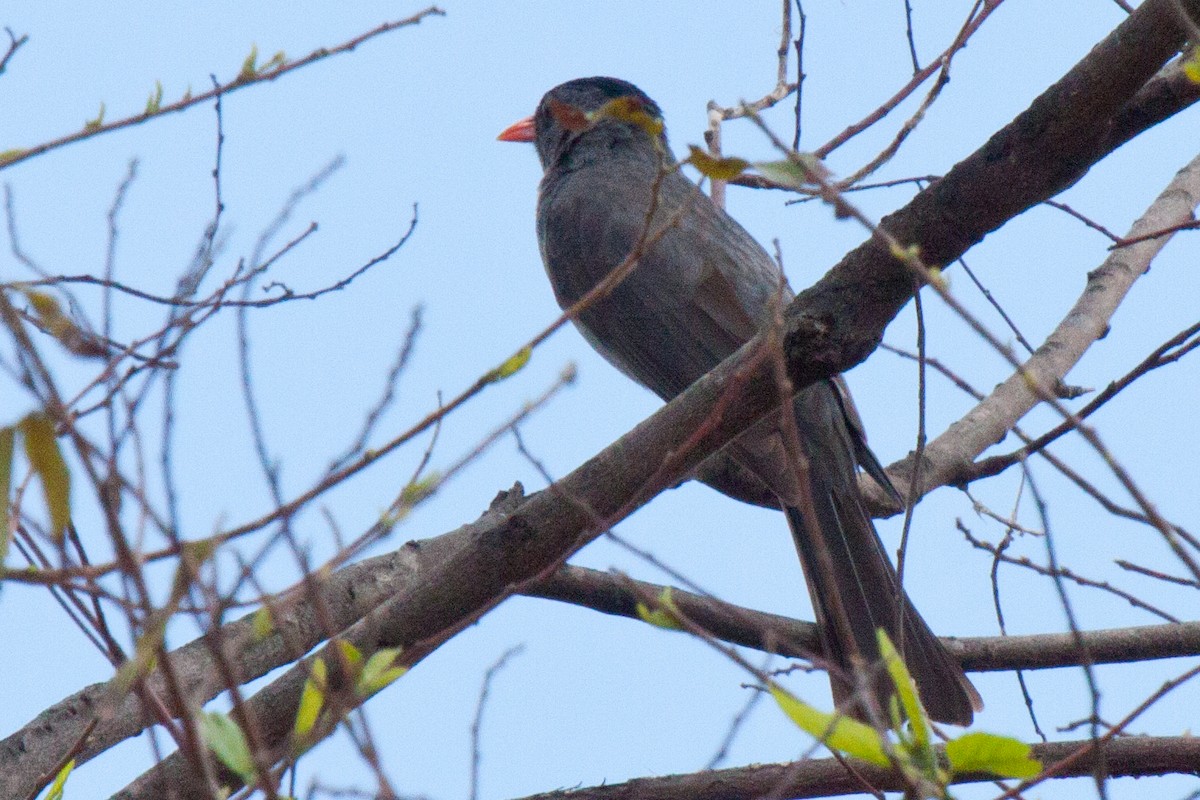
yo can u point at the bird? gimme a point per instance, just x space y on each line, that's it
700 287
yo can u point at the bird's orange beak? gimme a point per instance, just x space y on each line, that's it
521 131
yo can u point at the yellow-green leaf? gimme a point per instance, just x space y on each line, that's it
718 169
938 279
41 448
55 791
798 173
418 490
145 651
50 315
906 252
228 743
154 102
277 60
987 752
906 689
1191 67
379 671
666 615
250 65
511 366
7 436
312 699
835 731
54 321
94 124
262 624
11 155
350 653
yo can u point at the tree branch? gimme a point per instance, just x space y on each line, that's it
619 595
1134 756
949 458
839 321
250 75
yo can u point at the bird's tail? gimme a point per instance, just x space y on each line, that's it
855 590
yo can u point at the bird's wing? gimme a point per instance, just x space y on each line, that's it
678 313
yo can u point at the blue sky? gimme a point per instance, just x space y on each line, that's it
414 114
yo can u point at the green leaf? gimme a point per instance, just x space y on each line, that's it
228 743
154 102
665 616
277 60
41 448
145 651
798 173
262 624
906 689
52 319
11 155
379 671
351 653
906 252
938 278
94 124
55 791
987 752
511 366
1191 67
7 437
250 65
718 169
836 731
312 699
419 490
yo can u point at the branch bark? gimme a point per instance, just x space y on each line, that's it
1134 756
949 458
772 633
839 321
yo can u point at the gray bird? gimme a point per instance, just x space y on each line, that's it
701 289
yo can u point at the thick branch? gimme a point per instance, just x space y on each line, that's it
461 575
619 596
948 458
1165 95
352 592
1134 756
839 321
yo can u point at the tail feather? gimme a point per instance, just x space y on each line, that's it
853 586
858 579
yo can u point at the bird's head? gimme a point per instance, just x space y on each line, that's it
578 107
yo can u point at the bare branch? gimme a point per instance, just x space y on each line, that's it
243 80
949 456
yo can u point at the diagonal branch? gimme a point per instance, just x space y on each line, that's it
839 321
948 459
249 76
